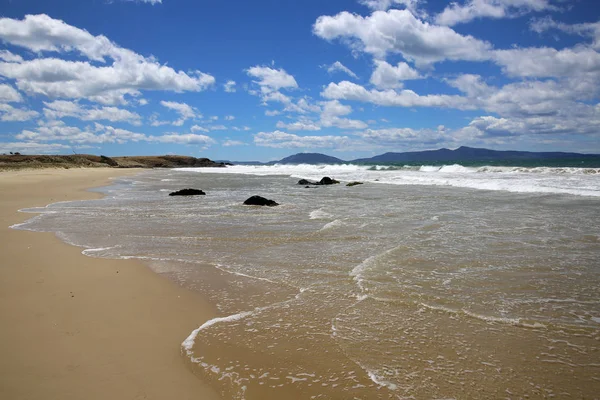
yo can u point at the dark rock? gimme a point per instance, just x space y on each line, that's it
354 183
304 182
327 181
260 201
187 192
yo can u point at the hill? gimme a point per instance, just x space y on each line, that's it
470 154
310 158
19 161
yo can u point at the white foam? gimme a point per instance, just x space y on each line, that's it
573 181
319 214
332 224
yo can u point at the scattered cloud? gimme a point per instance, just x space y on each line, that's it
8 94
229 86
9 113
229 143
184 110
386 76
339 67
127 75
400 32
469 10
61 108
279 139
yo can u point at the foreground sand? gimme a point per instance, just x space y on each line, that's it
75 327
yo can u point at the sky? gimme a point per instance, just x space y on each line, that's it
260 80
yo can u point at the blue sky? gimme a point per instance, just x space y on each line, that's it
260 80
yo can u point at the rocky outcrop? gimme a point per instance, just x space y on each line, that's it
260 201
324 181
188 192
354 183
328 181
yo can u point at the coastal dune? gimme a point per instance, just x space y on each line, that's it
76 327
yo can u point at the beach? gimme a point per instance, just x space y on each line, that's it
423 282
76 327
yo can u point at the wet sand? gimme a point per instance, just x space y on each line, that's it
75 327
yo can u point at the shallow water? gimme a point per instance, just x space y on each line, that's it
413 285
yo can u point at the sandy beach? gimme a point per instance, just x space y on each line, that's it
75 327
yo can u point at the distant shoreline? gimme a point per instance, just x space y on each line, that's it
19 161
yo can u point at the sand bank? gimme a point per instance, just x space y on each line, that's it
75 327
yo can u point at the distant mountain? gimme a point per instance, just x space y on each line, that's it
469 154
310 158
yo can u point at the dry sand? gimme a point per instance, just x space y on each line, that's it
75 327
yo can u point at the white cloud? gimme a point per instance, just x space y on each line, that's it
457 13
382 5
7 56
339 67
279 139
405 98
272 113
332 113
187 139
229 118
9 113
588 29
229 86
403 136
184 110
198 128
8 94
272 80
59 131
217 128
548 62
399 32
229 143
128 74
305 125
386 76
62 108
32 147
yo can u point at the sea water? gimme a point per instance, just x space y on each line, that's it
424 282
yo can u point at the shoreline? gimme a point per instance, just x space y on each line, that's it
81 327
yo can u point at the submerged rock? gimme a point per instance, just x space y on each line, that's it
187 192
260 201
354 183
324 181
327 181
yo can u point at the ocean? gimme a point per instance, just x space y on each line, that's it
424 282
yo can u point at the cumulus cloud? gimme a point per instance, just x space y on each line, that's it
229 86
456 13
32 147
332 116
339 67
272 80
587 29
405 98
9 113
122 72
61 108
302 125
8 94
229 143
184 110
279 139
548 62
187 139
400 32
386 76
